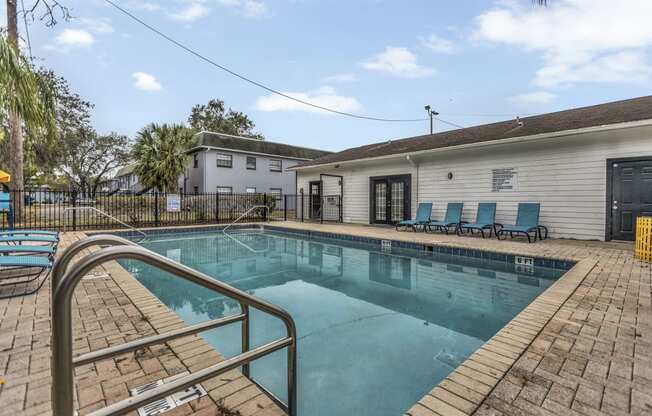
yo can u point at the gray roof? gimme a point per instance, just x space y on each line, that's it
126 170
227 141
635 109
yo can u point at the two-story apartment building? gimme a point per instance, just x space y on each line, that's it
125 180
232 164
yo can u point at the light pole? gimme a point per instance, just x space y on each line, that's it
431 114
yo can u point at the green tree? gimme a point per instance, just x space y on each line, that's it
160 155
26 100
87 158
213 117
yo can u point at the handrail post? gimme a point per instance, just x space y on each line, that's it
245 336
301 204
285 207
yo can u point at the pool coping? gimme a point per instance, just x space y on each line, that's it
464 390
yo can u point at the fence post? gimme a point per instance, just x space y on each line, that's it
301 204
156 219
339 197
217 207
285 207
265 211
73 198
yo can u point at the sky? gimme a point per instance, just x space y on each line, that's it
473 61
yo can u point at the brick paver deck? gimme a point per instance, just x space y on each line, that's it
584 347
108 311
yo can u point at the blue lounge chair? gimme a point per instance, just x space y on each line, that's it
453 218
527 221
5 207
24 249
34 268
19 232
422 218
485 219
18 239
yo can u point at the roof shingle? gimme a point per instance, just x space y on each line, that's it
634 109
226 141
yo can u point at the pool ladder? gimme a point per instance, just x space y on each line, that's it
64 281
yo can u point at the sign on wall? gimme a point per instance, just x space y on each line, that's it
173 203
504 179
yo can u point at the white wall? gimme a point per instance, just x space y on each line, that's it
566 175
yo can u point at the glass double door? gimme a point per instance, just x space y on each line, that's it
390 199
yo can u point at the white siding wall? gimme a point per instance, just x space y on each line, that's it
566 175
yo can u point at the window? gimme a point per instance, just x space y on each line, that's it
196 189
195 161
251 190
224 190
224 161
275 191
251 163
275 165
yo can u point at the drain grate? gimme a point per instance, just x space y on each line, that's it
170 402
96 275
386 244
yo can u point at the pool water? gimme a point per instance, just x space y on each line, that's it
376 330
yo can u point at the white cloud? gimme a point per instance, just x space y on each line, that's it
146 82
191 12
74 38
533 98
341 78
399 62
148 6
580 40
97 25
438 44
253 9
325 97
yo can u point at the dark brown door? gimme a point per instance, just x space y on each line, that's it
390 199
315 199
631 196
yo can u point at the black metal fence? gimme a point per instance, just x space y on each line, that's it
71 211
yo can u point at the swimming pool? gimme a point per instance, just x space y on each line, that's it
377 329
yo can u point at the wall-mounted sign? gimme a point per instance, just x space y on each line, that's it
173 203
504 179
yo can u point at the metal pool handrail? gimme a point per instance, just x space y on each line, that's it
243 215
63 363
106 214
61 264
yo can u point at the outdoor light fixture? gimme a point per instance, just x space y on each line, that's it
431 114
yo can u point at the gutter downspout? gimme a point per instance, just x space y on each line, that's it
414 164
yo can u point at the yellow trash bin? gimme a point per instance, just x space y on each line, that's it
644 238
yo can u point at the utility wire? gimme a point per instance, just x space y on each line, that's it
258 84
29 42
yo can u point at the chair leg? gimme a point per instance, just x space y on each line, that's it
482 232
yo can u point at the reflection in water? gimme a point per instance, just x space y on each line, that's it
376 330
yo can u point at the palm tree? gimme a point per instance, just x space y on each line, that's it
26 100
160 154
